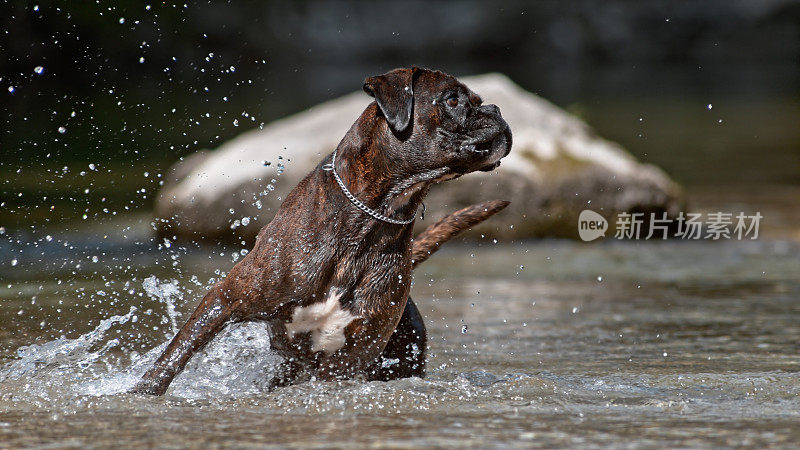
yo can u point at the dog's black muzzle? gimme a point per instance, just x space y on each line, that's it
491 135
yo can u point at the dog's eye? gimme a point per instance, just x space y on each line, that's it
452 101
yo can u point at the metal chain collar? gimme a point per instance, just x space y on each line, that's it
331 167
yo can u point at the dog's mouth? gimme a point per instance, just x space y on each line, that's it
486 142
494 149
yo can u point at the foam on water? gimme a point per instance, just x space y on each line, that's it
237 362
61 355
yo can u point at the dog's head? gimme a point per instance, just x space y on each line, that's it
439 123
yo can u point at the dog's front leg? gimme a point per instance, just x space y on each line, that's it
404 354
207 320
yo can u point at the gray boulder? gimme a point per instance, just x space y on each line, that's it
557 168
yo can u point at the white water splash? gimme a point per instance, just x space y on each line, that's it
61 355
166 293
238 362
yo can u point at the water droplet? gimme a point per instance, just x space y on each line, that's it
95 259
463 329
236 122
245 221
62 130
710 106
141 60
232 69
600 278
35 7
574 310
39 70
14 262
11 89
121 20
92 166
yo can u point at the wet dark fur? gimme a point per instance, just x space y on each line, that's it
319 241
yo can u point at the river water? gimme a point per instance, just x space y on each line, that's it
531 344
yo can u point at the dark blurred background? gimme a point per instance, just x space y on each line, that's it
708 90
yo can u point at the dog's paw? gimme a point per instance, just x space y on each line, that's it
148 387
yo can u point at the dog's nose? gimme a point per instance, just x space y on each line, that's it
492 109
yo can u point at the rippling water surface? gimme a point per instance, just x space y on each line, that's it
532 344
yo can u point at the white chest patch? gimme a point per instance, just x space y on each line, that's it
325 320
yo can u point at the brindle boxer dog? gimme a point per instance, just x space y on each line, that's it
331 273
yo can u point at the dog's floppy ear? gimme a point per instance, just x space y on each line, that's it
394 93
